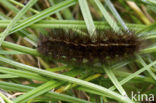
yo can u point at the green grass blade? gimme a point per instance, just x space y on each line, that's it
5 76
35 92
8 5
115 81
79 24
148 50
21 5
57 14
116 14
87 16
10 52
20 73
106 15
5 98
22 49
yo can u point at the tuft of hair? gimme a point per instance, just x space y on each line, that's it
71 46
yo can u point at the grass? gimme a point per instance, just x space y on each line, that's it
24 70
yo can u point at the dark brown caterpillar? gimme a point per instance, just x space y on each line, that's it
72 46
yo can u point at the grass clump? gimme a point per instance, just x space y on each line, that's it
27 77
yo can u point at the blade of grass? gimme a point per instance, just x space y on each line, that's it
148 50
10 52
138 11
16 18
22 49
79 24
116 14
107 17
21 5
5 2
87 16
20 73
5 76
57 14
35 92
114 80
92 77
31 9
5 98
3 16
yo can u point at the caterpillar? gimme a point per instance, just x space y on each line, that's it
71 46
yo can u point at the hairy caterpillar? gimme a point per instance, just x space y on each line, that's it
72 47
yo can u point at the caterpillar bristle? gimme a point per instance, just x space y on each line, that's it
72 46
